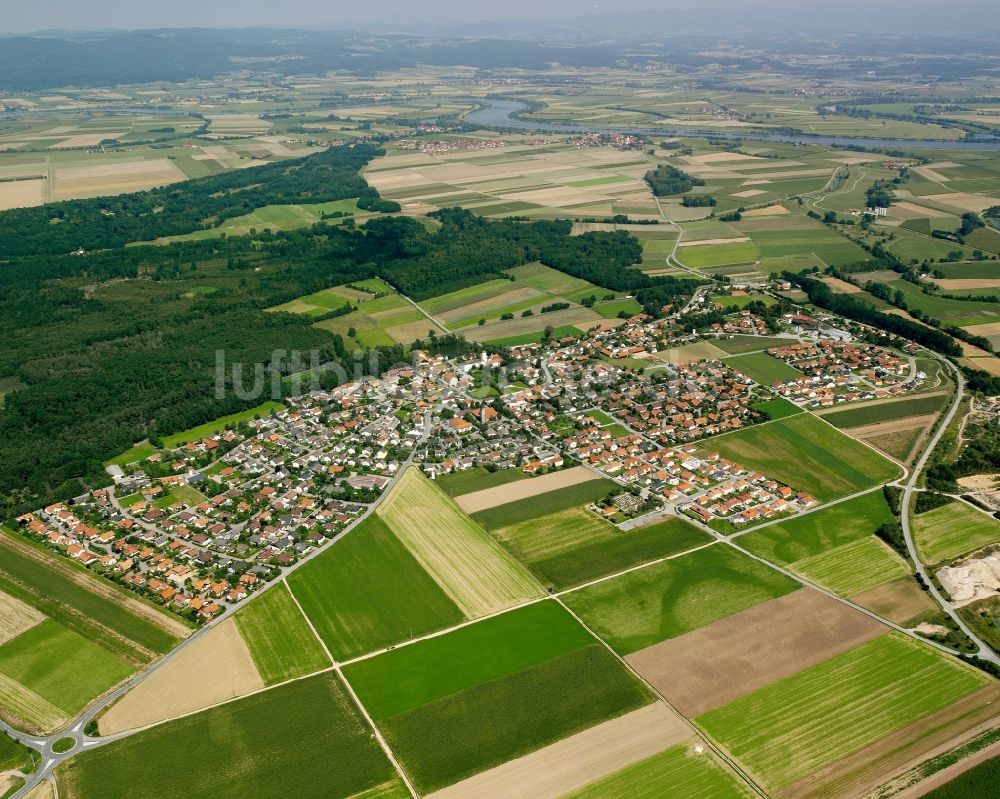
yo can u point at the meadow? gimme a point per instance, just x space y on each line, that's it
777 408
366 591
667 599
818 532
807 454
15 755
676 771
317 746
763 368
208 429
854 567
952 531
278 637
808 720
381 322
738 344
476 479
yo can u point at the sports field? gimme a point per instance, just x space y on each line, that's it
366 591
316 745
471 568
278 637
952 530
668 599
806 721
807 454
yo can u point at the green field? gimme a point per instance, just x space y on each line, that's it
58 590
534 338
483 726
414 675
954 312
667 599
15 755
981 780
205 430
819 531
952 531
64 669
884 412
807 454
762 368
306 737
575 546
137 453
278 637
804 722
524 510
366 591
674 772
476 479
738 344
777 408
820 241
742 300
706 256
853 567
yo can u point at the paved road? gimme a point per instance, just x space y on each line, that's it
908 490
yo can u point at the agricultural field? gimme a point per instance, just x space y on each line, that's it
574 546
278 637
471 568
763 368
807 454
667 599
553 501
475 479
807 721
951 531
861 415
382 322
211 428
317 744
322 302
367 591
534 672
524 489
520 179
68 638
739 345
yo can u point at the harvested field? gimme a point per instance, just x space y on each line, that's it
16 617
770 210
842 286
961 200
91 181
27 705
988 329
523 489
216 667
957 284
894 426
478 575
21 194
870 766
578 316
900 601
577 761
723 661
701 242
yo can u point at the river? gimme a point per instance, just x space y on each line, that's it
499 114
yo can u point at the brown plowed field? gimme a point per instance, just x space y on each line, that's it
708 667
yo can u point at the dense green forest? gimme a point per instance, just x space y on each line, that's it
120 344
103 222
666 180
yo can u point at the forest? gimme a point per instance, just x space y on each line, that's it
666 180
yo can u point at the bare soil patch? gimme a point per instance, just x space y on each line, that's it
577 761
892 426
706 668
900 601
968 283
771 210
16 617
216 667
979 482
522 489
21 194
872 765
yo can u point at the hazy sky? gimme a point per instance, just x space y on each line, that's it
19 17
